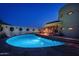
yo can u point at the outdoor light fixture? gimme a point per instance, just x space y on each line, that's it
70 28
70 13
62 28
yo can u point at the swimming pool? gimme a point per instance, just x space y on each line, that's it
32 41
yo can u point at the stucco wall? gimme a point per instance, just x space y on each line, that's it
70 21
6 30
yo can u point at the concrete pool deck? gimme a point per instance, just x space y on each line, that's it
69 41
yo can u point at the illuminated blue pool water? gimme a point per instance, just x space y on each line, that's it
32 41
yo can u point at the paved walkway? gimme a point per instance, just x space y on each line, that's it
71 43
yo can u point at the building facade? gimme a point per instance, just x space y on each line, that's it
69 16
51 28
10 30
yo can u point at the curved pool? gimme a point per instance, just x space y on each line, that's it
32 41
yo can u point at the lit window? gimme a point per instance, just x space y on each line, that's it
33 29
70 13
70 28
62 28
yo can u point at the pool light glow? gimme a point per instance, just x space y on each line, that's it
32 41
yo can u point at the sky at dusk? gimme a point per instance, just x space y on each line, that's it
30 15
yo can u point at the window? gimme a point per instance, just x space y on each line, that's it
70 13
27 29
11 29
20 29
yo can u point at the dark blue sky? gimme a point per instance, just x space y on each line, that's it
29 15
